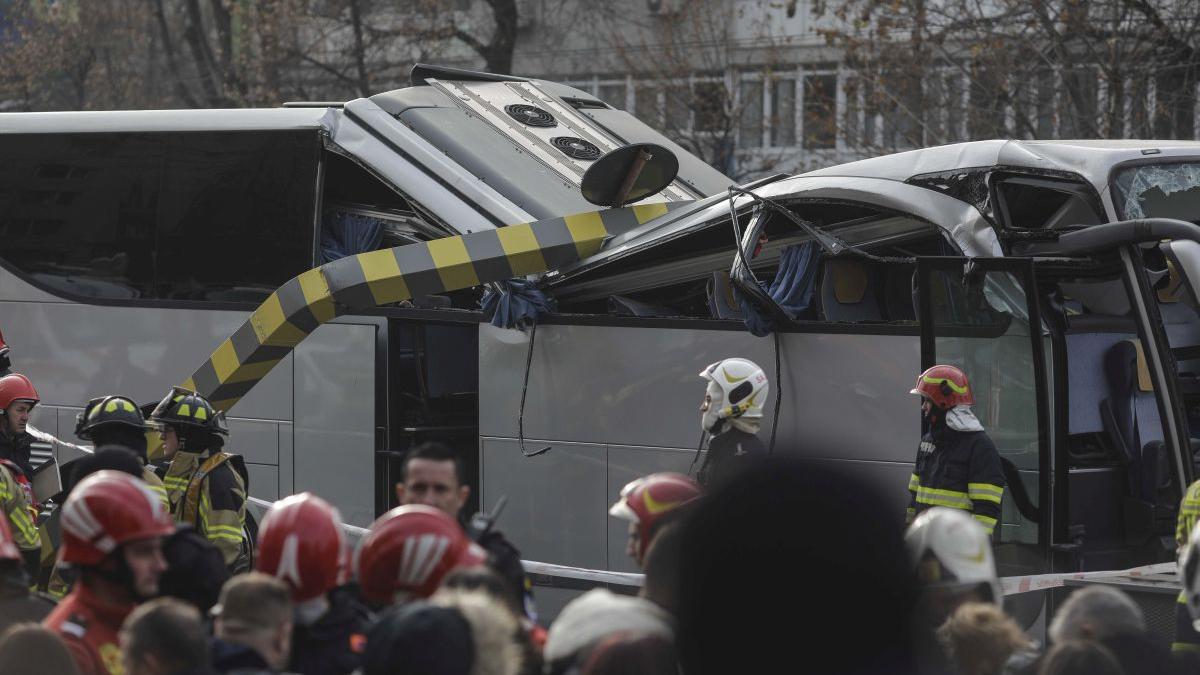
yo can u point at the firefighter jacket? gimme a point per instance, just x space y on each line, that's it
90 628
15 499
728 452
1186 637
206 491
156 486
961 470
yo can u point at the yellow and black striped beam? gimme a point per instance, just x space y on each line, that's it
365 280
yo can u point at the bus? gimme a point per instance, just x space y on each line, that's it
134 246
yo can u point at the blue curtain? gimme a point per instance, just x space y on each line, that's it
349 234
519 303
793 289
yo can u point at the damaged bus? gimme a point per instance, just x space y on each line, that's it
317 269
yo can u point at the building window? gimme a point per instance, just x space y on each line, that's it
783 113
750 114
820 111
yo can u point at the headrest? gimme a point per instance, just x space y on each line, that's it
849 280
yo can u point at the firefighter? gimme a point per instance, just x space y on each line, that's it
649 503
432 474
731 414
117 420
957 465
17 400
17 604
1187 639
301 542
113 528
950 554
407 553
206 488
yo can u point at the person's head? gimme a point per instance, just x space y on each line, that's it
661 568
189 423
255 610
113 420
424 637
736 393
106 457
300 542
432 475
163 637
17 400
29 649
407 553
1096 613
483 579
650 502
590 618
950 554
1080 657
940 389
744 559
979 637
632 654
196 569
494 630
112 530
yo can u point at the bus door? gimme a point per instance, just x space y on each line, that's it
981 315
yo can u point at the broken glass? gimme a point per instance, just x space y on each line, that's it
1159 191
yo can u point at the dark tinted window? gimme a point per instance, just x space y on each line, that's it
221 216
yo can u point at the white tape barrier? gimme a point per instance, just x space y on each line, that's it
1010 585
1041 582
355 533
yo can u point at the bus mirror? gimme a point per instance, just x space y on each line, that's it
1184 257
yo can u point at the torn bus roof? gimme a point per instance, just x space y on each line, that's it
385 276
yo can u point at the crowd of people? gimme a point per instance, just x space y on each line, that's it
144 563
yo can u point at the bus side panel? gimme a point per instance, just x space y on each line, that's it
636 392
334 440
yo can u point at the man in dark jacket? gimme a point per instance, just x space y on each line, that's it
731 413
253 626
957 465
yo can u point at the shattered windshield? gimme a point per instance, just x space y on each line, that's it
1159 191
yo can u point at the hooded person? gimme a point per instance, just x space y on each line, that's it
731 415
594 616
957 464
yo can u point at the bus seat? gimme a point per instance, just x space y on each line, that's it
721 302
1131 419
848 291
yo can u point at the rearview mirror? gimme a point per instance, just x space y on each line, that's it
1184 256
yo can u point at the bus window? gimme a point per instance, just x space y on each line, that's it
159 216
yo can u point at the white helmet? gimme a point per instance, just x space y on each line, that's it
1189 575
737 388
949 549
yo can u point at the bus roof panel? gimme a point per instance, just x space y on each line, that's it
242 119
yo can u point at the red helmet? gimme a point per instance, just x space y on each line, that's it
8 546
946 386
16 387
300 541
408 552
107 509
649 499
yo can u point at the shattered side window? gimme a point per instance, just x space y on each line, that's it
1159 191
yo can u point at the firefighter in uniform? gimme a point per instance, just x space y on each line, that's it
206 488
301 543
113 527
1187 639
957 465
116 420
649 503
17 400
731 414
